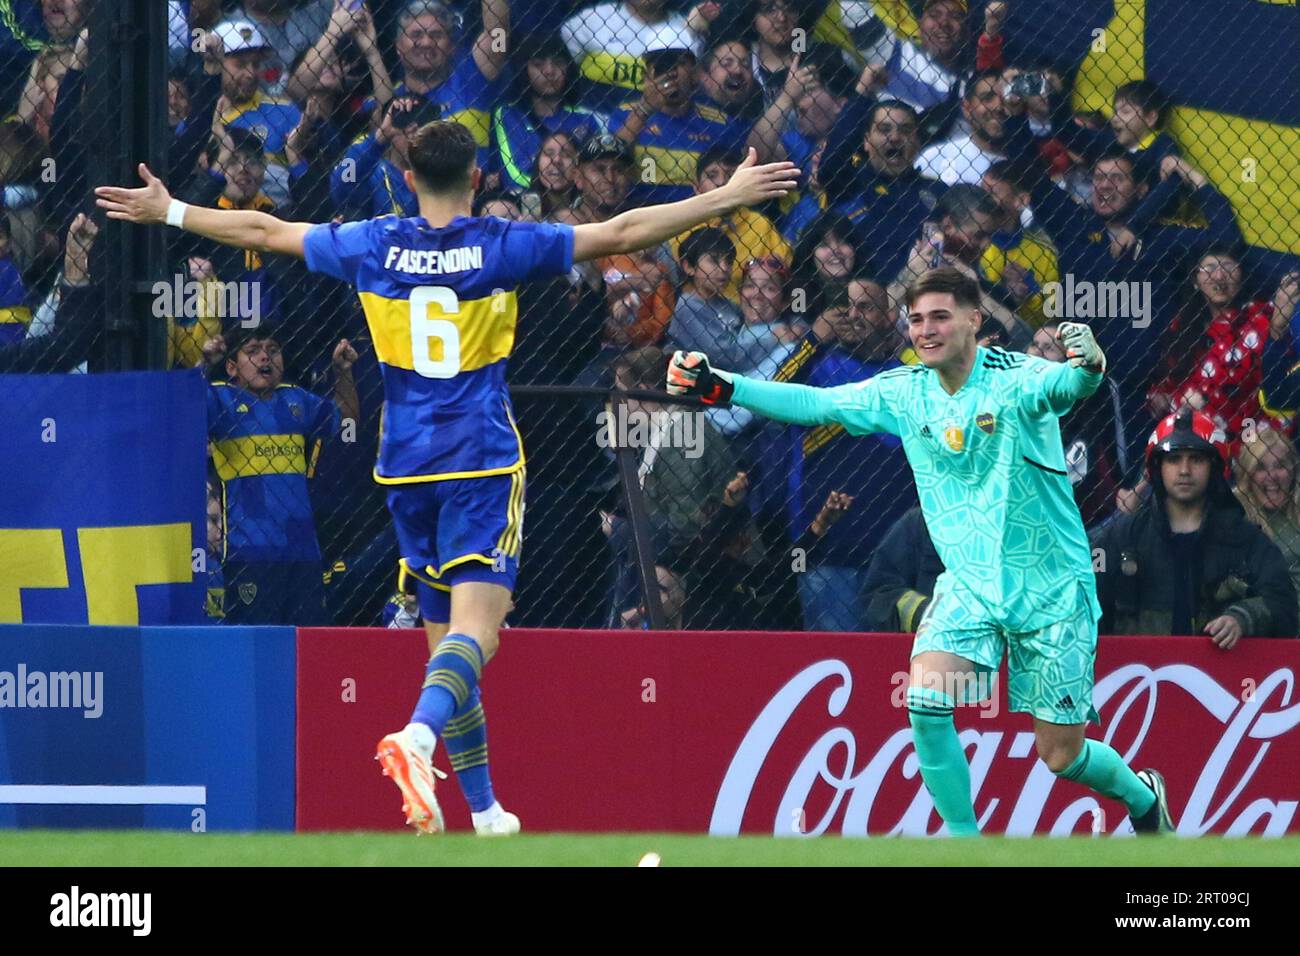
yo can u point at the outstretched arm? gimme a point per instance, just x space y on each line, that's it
860 407
635 229
785 401
231 227
1053 389
491 46
345 386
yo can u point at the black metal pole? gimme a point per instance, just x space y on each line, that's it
104 128
154 136
642 536
124 124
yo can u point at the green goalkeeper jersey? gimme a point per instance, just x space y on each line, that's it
989 466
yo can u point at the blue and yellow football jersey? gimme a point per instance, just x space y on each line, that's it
517 136
466 96
264 450
441 308
270 117
364 181
672 145
15 316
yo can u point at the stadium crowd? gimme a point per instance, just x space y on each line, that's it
918 148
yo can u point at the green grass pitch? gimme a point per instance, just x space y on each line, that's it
108 848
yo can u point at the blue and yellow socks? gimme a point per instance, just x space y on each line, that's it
1100 768
942 759
465 738
451 707
450 679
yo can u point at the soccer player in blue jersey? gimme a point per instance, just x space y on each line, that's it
438 292
980 428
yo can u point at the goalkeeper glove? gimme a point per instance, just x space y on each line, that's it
689 373
1081 348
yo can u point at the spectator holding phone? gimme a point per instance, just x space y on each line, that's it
968 219
329 81
463 88
552 186
667 128
368 181
608 41
66 344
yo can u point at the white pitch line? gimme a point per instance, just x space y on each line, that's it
128 796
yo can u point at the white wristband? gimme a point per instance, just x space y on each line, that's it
176 213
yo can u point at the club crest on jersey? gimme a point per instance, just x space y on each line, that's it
247 592
986 422
955 437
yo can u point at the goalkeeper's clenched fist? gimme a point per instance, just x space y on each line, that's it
689 373
1081 348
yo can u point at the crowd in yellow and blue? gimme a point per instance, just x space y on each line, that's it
1105 183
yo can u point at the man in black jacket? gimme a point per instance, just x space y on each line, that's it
1188 561
900 580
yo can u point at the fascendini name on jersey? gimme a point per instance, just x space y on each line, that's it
434 262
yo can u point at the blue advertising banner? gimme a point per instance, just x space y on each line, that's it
102 499
160 728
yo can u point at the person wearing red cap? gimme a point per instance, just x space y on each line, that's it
1187 561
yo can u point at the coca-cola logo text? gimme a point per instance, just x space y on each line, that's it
1145 711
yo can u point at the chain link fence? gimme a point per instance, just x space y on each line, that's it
1134 165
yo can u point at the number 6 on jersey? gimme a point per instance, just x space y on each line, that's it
425 330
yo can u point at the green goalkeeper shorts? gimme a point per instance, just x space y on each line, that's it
1049 671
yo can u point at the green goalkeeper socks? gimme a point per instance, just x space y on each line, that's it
943 761
1100 768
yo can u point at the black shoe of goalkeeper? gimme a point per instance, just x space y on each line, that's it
1157 819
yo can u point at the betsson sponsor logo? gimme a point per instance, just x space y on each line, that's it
1245 725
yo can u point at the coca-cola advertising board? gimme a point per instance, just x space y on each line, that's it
792 734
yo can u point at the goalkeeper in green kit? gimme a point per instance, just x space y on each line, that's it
980 429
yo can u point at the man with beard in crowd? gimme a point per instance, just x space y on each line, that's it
1188 561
